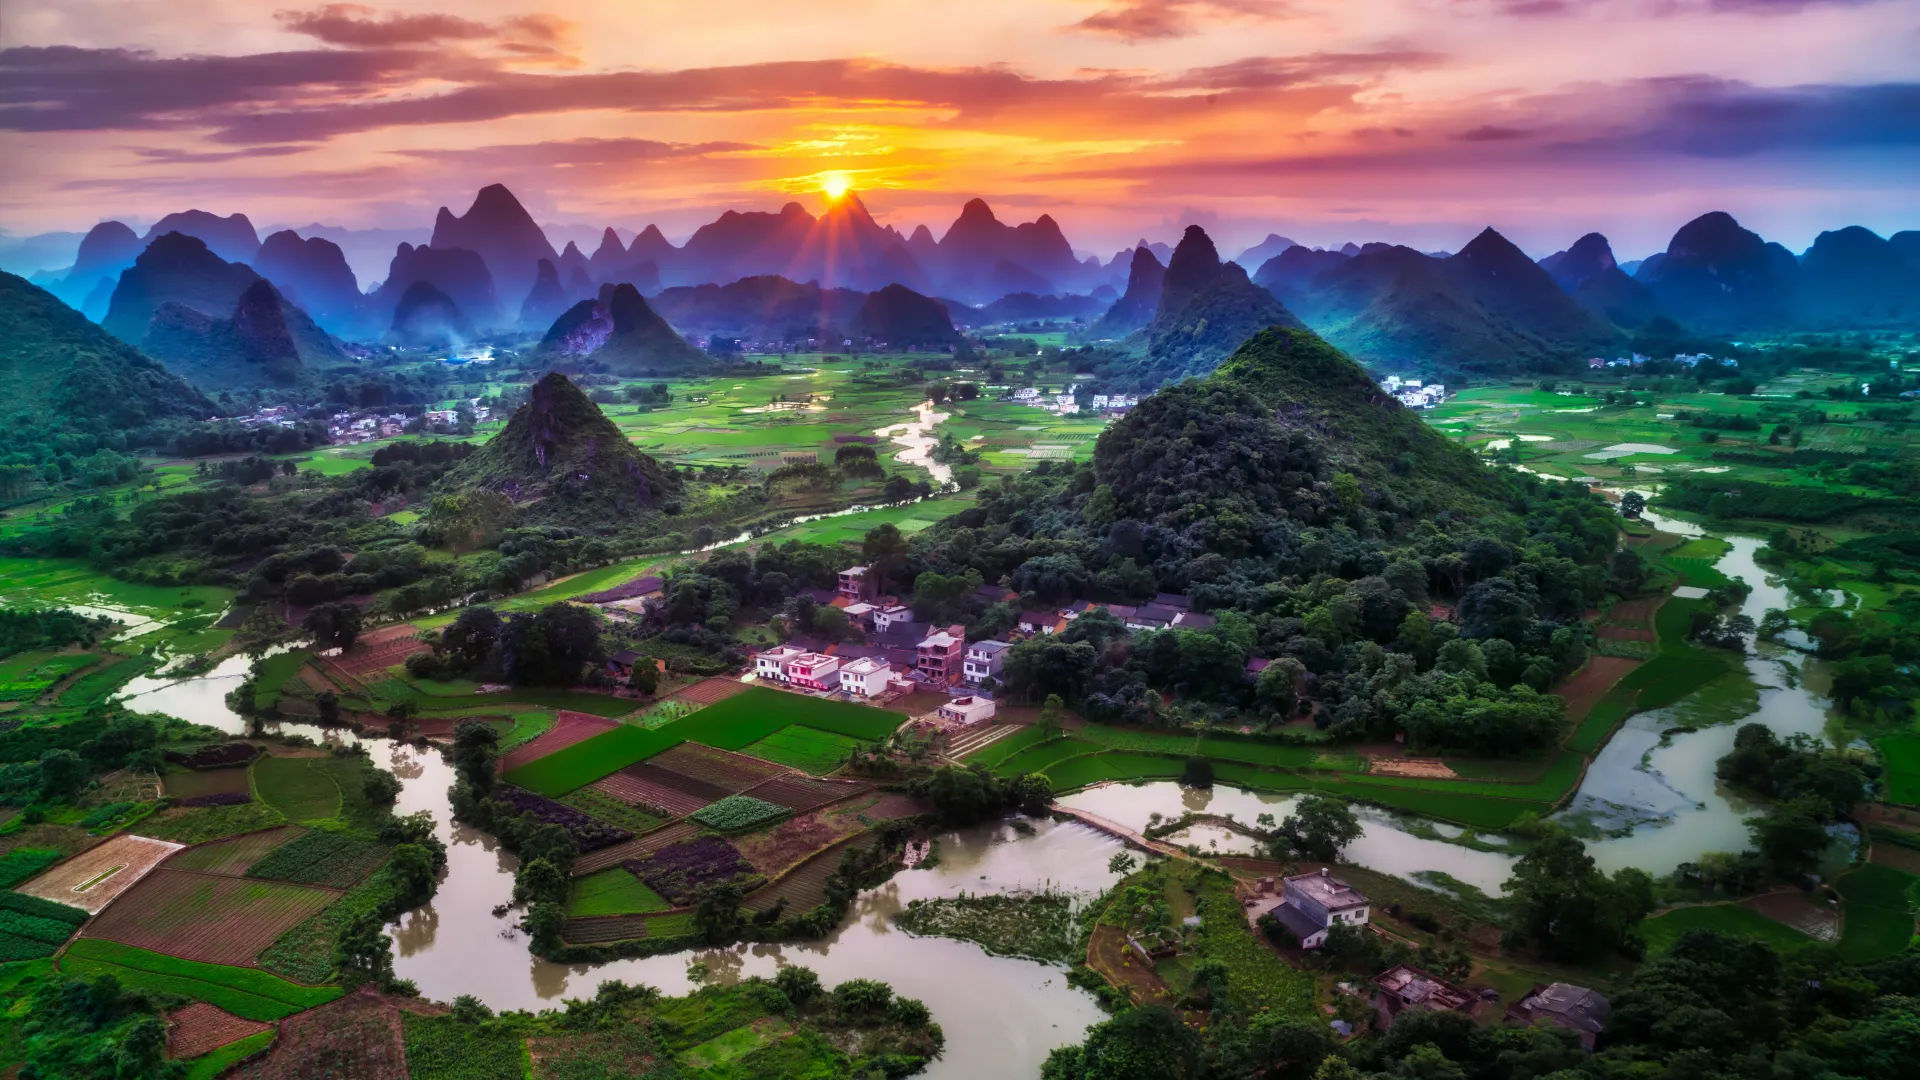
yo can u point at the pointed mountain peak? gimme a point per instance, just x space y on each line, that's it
610 246
572 251
1143 256
794 209
1489 243
444 219
544 272
653 234
1194 253
921 235
496 199
976 212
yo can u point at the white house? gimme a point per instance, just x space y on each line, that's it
885 618
865 676
967 711
1310 904
984 659
771 665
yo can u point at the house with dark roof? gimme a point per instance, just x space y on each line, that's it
621 663
1173 600
984 660
1311 904
1193 620
1039 622
1576 1008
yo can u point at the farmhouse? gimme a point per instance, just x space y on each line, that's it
815 671
854 583
940 654
771 664
1407 987
984 660
865 676
892 615
1311 904
1038 622
967 711
1576 1008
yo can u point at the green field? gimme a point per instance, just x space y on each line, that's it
733 724
1902 755
613 892
245 992
1731 920
297 787
1877 919
992 754
806 749
1039 756
209 1066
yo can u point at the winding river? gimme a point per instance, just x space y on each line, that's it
1652 792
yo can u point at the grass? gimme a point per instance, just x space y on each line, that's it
296 788
20 864
613 891
992 754
733 724
274 672
1041 755
208 1066
1679 668
806 749
200 824
95 687
527 726
1038 927
1600 721
1731 920
737 1043
1902 755
1877 920
1257 979
244 992
611 810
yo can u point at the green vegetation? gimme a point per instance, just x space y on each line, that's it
334 860
443 1048
20 864
1877 918
203 824
1728 920
806 749
594 802
245 992
298 787
995 753
1901 752
1038 927
612 891
737 812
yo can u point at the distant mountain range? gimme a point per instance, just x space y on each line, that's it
1488 308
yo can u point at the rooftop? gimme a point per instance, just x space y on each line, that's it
1328 891
1576 1005
989 646
1416 988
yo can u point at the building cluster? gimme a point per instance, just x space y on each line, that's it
1413 393
1066 403
358 427
1639 360
276 415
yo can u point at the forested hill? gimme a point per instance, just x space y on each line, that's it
62 373
564 458
1318 525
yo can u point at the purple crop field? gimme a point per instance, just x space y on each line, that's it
589 832
639 586
679 872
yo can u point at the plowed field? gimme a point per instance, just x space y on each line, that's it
192 784
803 793
708 691
667 791
568 728
201 1028
215 920
805 888
96 877
357 1037
232 857
733 772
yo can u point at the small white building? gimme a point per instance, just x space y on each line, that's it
815 671
1311 904
865 676
771 665
967 711
886 618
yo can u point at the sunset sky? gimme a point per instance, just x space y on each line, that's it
1417 121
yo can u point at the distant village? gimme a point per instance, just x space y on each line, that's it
1413 393
1686 360
365 425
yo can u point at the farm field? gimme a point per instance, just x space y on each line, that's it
232 857
245 992
806 749
1877 919
202 783
357 1036
1902 755
32 928
1732 920
200 1028
298 787
733 724
215 920
95 877
612 892
328 859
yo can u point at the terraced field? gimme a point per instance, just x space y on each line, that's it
732 773
803 793
804 887
233 856
669 792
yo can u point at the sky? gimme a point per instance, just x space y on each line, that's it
1413 121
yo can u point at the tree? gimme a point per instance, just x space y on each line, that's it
884 549
1791 835
539 881
412 870
62 772
328 703
1050 716
645 677
717 918
1148 1043
1198 772
1632 503
334 625
1320 827
1567 907
1278 684
1121 864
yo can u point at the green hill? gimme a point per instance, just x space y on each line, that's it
267 342
64 374
561 459
1206 309
620 335
1269 428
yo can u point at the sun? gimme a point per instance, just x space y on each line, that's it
835 184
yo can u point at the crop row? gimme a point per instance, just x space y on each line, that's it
246 992
321 858
738 812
